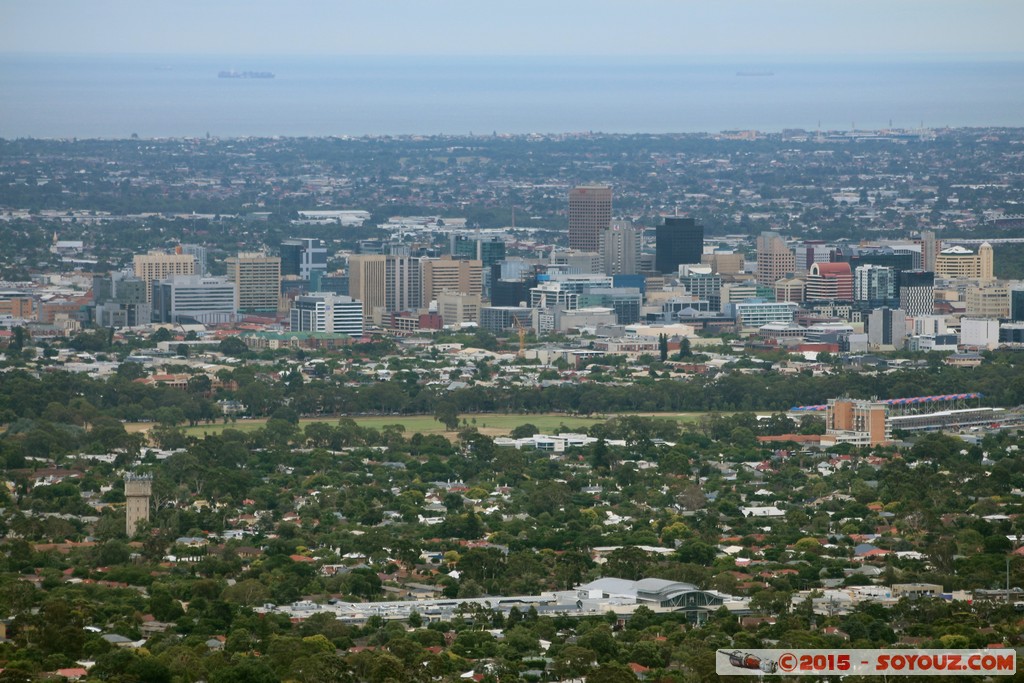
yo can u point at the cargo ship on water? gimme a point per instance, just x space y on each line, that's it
245 74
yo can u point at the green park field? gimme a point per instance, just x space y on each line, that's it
492 424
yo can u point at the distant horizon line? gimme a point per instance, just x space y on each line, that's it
407 136
719 58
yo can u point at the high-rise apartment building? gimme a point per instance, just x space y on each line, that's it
368 281
677 241
620 248
198 252
916 292
450 275
385 283
703 285
258 277
874 284
774 259
929 250
590 213
327 313
157 265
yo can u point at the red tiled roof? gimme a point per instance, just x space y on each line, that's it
833 269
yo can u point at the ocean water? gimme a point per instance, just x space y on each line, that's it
115 97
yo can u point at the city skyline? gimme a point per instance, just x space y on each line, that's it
455 341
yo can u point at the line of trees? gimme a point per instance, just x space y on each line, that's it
24 396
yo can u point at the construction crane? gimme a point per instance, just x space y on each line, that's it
521 330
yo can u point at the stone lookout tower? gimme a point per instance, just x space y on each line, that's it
138 489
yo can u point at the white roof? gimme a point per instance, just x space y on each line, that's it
611 585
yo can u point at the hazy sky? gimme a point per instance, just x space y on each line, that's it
686 28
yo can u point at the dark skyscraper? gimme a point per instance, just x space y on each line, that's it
291 257
677 241
302 256
1017 305
590 213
